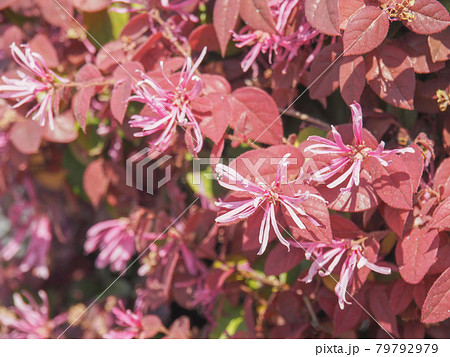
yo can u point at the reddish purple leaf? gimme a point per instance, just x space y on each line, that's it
414 330
323 15
203 36
179 328
55 14
96 181
324 76
401 296
64 130
390 74
5 3
443 254
213 83
257 15
119 96
279 260
214 126
135 28
347 319
429 17
255 116
365 31
441 216
352 78
151 326
91 5
42 45
395 218
439 45
225 18
416 46
436 307
415 254
382 311
26 136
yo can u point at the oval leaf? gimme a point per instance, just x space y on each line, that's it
323 15
257 15
366 30
436 307
429 17
225 17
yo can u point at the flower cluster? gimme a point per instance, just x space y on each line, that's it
348 159
350 251
36 83
284 44
170 103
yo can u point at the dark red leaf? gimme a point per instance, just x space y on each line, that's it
279 260
26 136
352 78
347 319
429 17
416 46
382 311
225 18
324 77
91 5
135 28
441 216
119 96
81 105
401 296
255 116
96 181
390 74
443 254
257 15
415 254
323 15
414 329
366 30
436 307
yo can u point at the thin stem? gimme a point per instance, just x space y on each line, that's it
248 142
306 118
85 84
168 34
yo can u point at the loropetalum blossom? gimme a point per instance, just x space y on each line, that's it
349 158
284 43
28 88
171 106
27 222
330 255
30 320
268 197
116 241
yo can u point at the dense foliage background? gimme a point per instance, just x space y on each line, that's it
309 227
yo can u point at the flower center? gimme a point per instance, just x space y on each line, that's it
359 152
401 11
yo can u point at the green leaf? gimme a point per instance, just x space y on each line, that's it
98 24
118 22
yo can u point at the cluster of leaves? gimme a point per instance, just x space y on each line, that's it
71 222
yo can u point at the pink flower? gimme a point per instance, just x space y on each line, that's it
136 325
28 88
349 158
177 6
171 106
32 320
115 239
132 321
267 197
285 43
27 222
332 254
